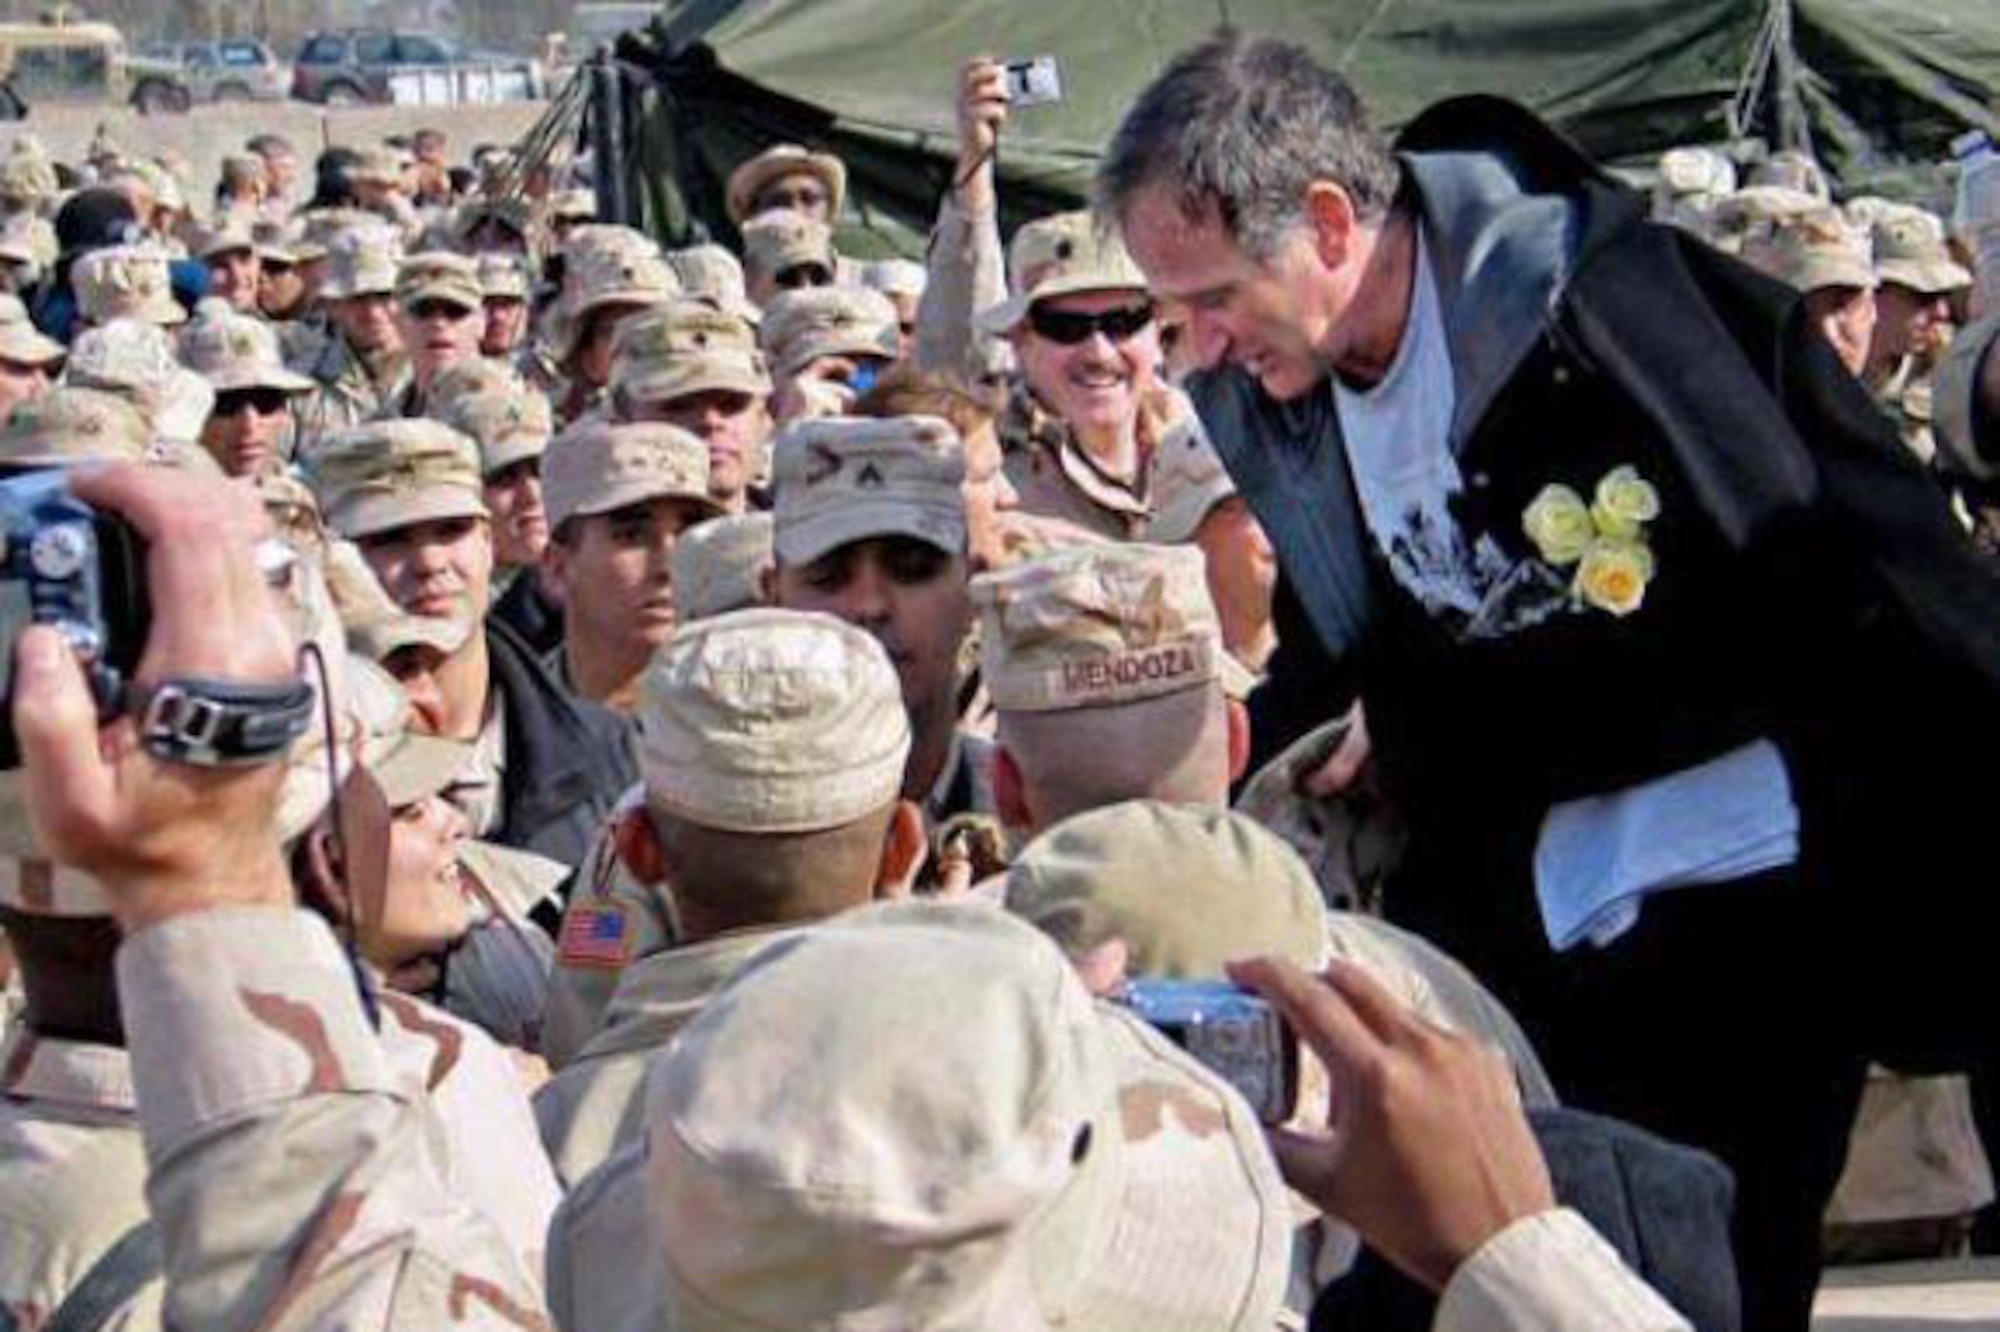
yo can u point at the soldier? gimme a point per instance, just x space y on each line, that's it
282 294
544 767
619 496
715 274
786 176
379 179
363 361
785 251
135 360
250 429
609 275
510 421
27 359
1089 414
1691 182
695 366
1916 281
870 526
1105 666
235 272
772 750
902 281
725 564
503 287
440 320
826 347
1817 254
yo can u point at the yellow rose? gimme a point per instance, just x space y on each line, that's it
1624 503
1559 524
1613 575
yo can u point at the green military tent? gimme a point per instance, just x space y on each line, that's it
1878 85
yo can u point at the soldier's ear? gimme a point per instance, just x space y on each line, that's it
325 888
1010 796
903 849
1239 739
639 848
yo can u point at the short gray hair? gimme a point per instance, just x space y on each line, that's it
1240 129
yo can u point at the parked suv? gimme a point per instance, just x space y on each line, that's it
236 69
352 65
59 63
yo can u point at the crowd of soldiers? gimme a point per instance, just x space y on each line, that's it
768 697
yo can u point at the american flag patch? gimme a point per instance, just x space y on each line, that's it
594 935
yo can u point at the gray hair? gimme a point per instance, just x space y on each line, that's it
1238 130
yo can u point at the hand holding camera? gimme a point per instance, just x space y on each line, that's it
1428 1153
163 835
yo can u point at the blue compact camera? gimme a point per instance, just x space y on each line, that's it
62 563
1231 1032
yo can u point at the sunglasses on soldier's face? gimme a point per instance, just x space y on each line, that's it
265 402
1070 328
802 275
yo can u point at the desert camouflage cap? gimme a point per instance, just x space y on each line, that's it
846 479
439 275
379 164
27 178
473 214
20 341
28 238
771 721
283 243
782 239
1815 250
126 356
715 274
1097 625
607 265
122 281
775 162
1910 251
1188 889
233 351
362 261
721 565
509 418
573 205
1695 171
291 506
1188 481
68 424
686 346
379 632
1791 170
503 276
893 1157
383 475
801 326
895 277
597 466
1057 256
230 235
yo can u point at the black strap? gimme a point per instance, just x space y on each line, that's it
126 1268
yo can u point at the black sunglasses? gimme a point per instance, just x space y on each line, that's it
266 401
802 275
1068 328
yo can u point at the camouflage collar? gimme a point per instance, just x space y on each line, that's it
66 1073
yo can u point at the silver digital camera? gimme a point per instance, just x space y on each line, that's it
1033 82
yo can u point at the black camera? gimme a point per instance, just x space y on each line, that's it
63 563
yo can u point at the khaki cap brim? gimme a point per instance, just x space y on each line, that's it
467 299
23 344
366 514
418 766
334 290
707 375
504 453
1938 278
850 341
260 377
801 541
165 311
1819 274
1002 319
637 490
376 638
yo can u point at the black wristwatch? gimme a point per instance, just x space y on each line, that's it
220 723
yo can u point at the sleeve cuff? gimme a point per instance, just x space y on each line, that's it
1554 1273
228 1011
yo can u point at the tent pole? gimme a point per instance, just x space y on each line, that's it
607 139
1790 120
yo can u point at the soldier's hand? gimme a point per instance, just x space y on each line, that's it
162 837
1427 1153
982 110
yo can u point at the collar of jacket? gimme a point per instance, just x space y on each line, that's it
562 751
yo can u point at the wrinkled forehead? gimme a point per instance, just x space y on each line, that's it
1182 251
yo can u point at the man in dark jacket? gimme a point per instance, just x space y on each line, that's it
1652 618
543 768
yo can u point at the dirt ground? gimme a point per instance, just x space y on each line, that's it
205 134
